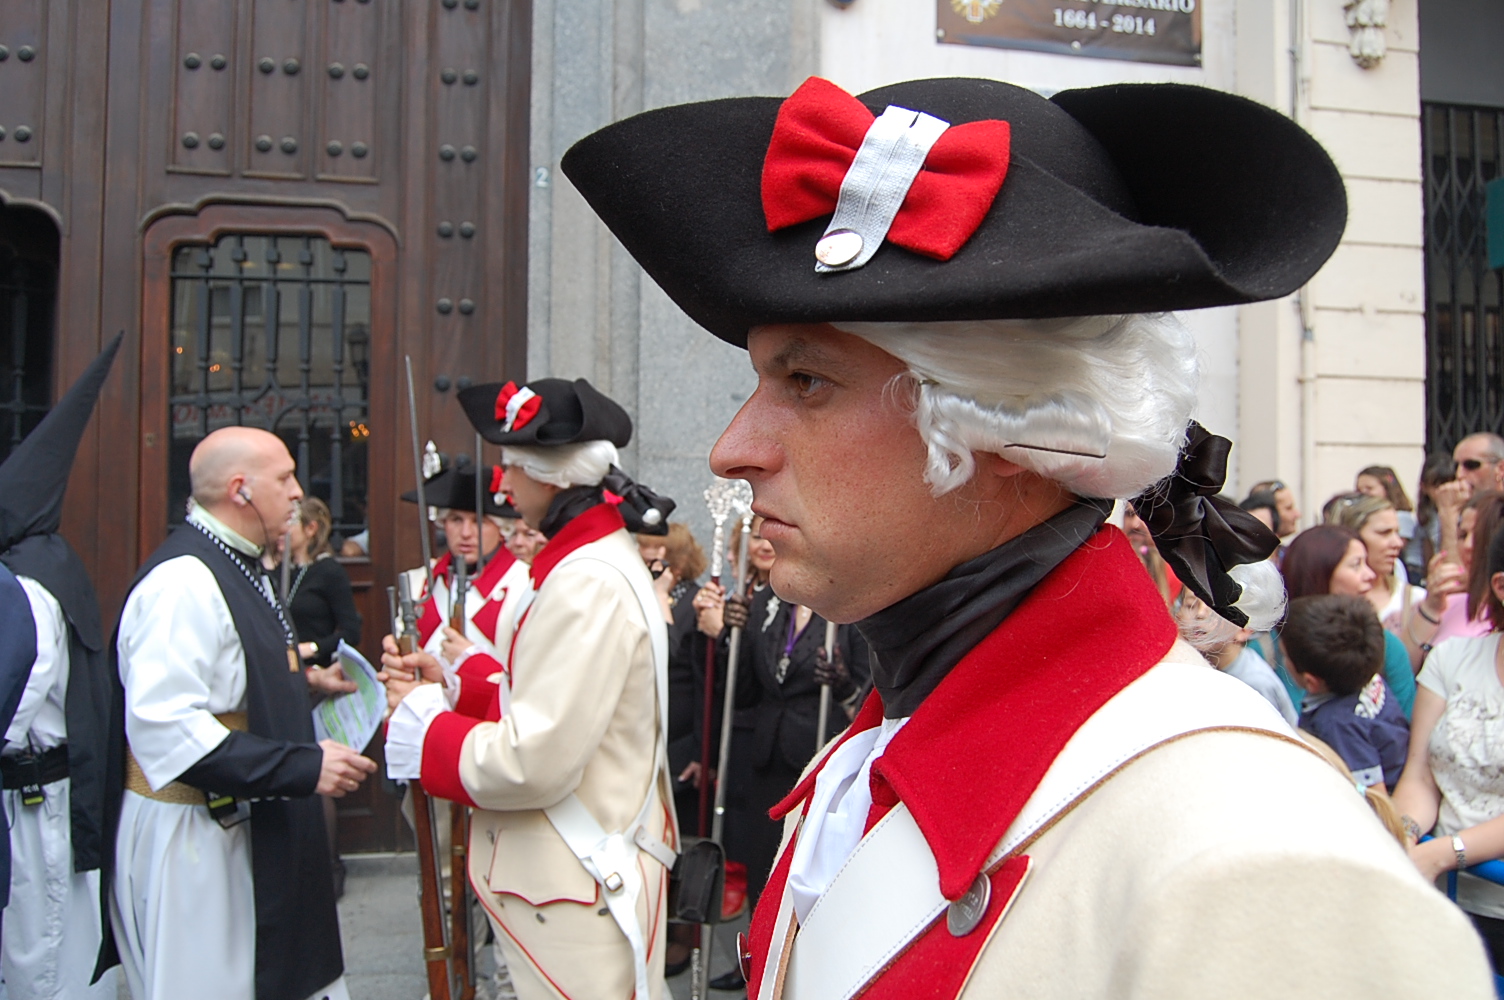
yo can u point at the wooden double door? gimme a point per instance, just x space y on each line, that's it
278 201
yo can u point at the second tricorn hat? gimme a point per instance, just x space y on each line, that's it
545 413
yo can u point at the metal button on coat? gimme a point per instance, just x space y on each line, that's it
963 915
839 247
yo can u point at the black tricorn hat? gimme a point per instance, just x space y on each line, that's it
1121 199
455 489
545 413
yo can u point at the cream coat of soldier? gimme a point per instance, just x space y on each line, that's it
561 753
954 295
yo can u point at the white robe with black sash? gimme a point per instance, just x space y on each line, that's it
185 895
50 939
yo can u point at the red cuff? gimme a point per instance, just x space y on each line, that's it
442 746
478 693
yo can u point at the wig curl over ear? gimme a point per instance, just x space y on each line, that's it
1096 403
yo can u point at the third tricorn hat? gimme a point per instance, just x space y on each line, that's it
454 489
1129 198
545 413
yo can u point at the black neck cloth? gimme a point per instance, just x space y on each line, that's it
568 505
917 641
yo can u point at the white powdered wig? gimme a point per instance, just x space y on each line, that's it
1122 387
1263 597
565 465
440 514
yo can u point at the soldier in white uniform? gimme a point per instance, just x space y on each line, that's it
567 770
954 295
56 784
495 579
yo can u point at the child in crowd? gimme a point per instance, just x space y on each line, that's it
1226 647
1334 648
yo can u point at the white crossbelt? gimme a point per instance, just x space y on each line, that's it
611 858
888 893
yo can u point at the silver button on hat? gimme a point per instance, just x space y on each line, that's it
838 248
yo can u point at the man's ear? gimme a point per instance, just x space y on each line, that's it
1496 582
997 465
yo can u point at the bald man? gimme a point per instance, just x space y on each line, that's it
219 733
1480 461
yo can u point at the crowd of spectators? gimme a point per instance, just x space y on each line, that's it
1389 654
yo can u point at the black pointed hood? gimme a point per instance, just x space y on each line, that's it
35 476
32 482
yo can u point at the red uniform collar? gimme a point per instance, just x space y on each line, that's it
501 561
596 523
976 749
441 568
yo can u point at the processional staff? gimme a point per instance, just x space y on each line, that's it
436 951
724 498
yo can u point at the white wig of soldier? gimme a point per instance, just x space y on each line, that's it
1100 402
582 464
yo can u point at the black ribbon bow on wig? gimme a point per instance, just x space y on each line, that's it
1198 533
644 511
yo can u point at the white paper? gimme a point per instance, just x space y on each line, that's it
352 718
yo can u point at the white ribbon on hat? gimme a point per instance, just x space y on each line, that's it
514 404
873 190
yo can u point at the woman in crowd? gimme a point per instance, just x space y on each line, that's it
1381 481
524 542
1435 471
1457 583
319 594
676 562
1159 571
1451 787
323 614
1330 559
1377 524
744 817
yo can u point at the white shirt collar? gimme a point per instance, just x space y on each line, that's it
234 539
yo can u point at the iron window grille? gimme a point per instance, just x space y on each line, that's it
1462 148
273 332
28 296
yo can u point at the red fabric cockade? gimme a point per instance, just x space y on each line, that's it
816 138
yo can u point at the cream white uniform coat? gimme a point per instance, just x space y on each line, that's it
504 590
1229 861
583 720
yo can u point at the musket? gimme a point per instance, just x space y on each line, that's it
423 528
436 951
459 827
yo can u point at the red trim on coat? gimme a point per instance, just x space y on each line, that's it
442 746
937 963
596 523
976 749
429 620
489 614
477 691
501 561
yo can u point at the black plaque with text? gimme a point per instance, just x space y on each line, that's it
1160 31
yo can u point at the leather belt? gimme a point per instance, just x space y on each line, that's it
32 771
175 792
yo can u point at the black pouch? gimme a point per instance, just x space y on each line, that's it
697 882
227 810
